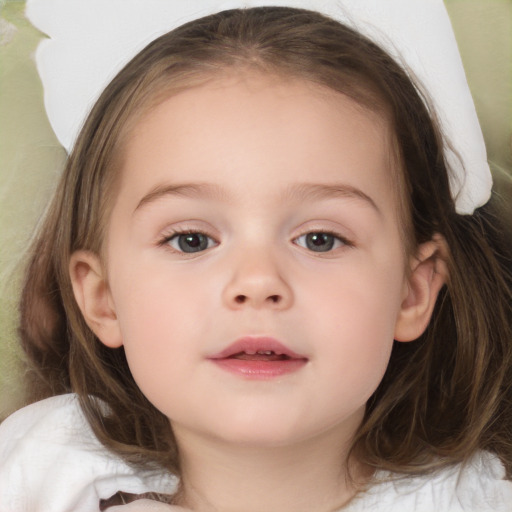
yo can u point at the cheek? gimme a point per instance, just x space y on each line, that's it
151 297
355 313
361 295
166 316
154 313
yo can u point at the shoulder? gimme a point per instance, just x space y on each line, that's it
52 462
477 486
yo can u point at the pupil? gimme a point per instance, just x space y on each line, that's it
193 242
320 242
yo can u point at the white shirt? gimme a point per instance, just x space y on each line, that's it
50 461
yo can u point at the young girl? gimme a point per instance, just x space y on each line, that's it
254 282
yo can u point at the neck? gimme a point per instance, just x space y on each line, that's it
314 475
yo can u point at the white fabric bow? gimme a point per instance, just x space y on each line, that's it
91 40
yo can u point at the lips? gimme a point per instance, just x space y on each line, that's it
258 358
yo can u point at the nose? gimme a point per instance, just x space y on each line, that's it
256 282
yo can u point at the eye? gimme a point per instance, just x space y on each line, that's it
190 242
320 241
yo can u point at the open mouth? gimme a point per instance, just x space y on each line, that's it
260 355
259 358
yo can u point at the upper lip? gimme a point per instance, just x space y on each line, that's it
255 344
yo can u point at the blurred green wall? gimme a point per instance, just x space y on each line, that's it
31 158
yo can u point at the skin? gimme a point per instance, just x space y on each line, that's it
264 147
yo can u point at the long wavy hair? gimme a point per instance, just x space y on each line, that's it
443 397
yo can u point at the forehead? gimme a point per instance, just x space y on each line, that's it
235 129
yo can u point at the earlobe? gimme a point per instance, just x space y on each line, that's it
428 274
93 297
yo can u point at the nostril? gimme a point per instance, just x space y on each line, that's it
242 299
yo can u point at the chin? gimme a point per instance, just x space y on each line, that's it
260 439
265 432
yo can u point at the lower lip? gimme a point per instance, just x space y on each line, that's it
260 370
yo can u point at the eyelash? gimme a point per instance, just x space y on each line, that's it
342 241
177 233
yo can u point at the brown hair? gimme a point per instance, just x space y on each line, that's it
443 396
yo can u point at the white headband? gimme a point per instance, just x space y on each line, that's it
91 40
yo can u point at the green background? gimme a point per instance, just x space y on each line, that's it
31 158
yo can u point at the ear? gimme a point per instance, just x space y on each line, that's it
428 274
93 297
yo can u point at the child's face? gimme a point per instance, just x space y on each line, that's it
260 173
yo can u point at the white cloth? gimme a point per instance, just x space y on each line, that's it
89 41
478 487
50 461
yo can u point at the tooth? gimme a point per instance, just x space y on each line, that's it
250 352
265 352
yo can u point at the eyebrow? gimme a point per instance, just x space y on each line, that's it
200 190
298 192
318 191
